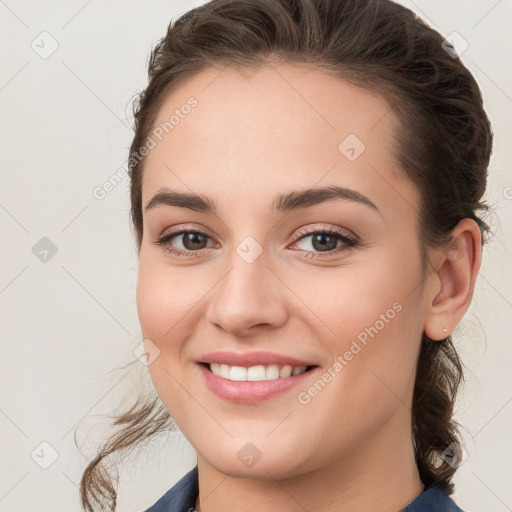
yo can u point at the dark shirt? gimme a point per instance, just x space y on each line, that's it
182 498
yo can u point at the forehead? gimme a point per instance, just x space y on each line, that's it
271 128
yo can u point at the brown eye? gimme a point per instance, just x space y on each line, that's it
324 242
193 240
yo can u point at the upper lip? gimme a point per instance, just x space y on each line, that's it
252 359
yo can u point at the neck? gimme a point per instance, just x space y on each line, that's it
381 476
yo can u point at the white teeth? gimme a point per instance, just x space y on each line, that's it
237 373
255 373
298 369
286 371
272 372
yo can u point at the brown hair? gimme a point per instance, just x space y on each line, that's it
443 145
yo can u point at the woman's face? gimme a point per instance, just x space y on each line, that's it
259 275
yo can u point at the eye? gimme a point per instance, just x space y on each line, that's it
324 241
191 240
328 241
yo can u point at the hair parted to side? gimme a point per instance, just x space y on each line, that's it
443 145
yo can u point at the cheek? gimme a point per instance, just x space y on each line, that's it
371 317
165 300
371 292
164 304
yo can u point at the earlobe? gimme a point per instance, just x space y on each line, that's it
456 268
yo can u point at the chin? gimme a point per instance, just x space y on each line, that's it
257 461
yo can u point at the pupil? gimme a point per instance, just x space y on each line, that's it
321 240
191 239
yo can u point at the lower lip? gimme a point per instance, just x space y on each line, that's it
247 392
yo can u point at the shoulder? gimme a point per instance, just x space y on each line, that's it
433 499
181 497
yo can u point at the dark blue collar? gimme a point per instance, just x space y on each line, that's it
182 498
432 499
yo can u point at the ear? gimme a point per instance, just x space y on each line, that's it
452 280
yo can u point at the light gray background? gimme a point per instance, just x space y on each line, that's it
70 323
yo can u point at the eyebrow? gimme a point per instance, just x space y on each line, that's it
294 200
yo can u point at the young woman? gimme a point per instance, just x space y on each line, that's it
306 188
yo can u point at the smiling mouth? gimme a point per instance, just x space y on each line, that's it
256 373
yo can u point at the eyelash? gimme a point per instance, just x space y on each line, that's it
349 241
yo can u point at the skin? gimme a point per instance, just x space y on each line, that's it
252 136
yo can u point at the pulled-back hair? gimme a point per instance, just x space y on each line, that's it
443 145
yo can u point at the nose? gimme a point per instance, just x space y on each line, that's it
250 295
